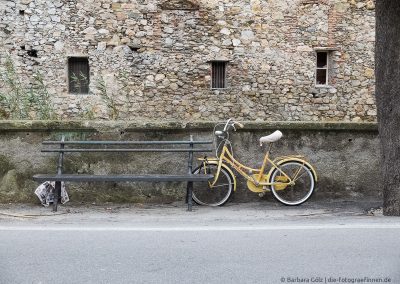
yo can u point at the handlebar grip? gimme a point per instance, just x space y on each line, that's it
239 124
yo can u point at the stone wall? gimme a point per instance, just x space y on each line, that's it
345 156
154 57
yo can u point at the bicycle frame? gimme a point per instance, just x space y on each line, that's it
262 179
227 157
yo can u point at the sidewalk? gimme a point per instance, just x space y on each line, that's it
175 215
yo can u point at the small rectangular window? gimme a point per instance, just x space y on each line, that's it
322 68
218 75
78 75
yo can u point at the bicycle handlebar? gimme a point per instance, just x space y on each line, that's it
232 123
239 124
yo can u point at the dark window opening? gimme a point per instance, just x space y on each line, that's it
32 53
22 12
322 59
218 75
23 47
321 77
78 75
322 68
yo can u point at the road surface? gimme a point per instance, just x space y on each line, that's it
235 244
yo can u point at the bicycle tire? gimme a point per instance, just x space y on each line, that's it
219 194
300 191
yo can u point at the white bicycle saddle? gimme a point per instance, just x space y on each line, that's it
271 138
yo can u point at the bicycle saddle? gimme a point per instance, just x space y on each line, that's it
271 138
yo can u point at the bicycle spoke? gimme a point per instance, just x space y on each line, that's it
297 172
299 176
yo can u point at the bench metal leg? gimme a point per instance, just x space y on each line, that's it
57 194
190 195
187 193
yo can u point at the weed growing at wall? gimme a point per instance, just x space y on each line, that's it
114 95
23 99
88 112
80 83
15 99
107 98
123 78
40 98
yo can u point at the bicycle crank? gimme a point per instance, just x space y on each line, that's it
258 188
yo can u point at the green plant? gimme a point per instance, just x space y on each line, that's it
75 81
88 113
23 99
123 78
80 83
40 97
107 98
15 96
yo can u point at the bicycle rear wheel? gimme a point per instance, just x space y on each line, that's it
219 193
298 192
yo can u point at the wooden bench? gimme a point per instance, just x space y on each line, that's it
123 147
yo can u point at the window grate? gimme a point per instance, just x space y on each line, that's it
78 75
218 73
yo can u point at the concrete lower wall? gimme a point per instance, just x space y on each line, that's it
345 155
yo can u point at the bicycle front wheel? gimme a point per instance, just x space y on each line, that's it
204 193
297 192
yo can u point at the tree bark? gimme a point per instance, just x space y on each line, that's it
387 72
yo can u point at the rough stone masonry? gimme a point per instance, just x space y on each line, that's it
158 60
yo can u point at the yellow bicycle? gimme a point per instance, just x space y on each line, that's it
290 178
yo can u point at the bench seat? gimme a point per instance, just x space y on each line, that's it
121 178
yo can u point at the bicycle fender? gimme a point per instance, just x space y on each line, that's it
215 161
288 159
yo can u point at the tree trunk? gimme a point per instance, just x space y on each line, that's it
387 71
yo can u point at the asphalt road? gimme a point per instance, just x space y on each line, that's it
162 247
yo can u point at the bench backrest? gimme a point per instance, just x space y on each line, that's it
124 146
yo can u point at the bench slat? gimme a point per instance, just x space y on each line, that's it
124 150
125 142
121 178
